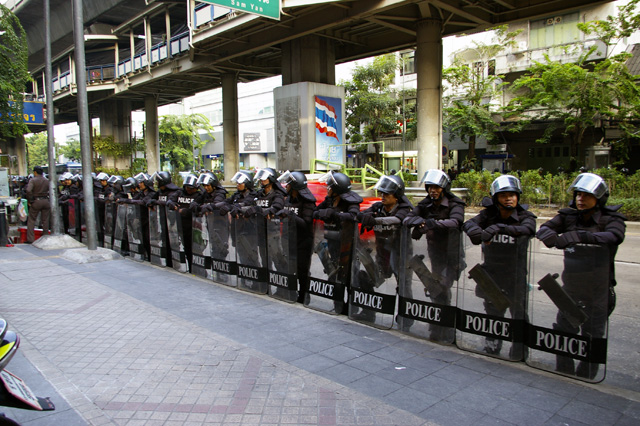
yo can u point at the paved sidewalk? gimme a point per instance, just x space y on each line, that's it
126 343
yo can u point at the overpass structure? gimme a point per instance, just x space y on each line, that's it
141 54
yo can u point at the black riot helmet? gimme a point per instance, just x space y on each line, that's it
130 185
190 181
295 180
390 185
162 178
339 183
267 173
116 181
505 183
209 178
436 177
591 184
102 176
144 178
245 177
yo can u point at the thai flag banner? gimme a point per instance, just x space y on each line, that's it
328 129
326 118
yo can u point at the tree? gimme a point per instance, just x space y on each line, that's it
37 150
71 150
372 107
14 74
574 97
468 111
180 137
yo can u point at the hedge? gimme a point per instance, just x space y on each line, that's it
550 191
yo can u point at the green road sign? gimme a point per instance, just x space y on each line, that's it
267 8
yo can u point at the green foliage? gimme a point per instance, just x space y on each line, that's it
14 74
180 137
630 207
548 190
372 107
37 150
71 150
576 96
468 111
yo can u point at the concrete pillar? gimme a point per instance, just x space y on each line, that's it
310 58
20 151
115 120
429 94
230 124
151 135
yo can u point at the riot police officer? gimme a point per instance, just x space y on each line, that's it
212 194
587 220
166 188
382 216
437 216
183 200
299 205
505 259
338 211
244 194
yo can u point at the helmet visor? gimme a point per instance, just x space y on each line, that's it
205 180
435 177
386 185
286 178
590 183
102 176
240 178
263 174
506 183
328 179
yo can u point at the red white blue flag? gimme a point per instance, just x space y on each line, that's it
326 118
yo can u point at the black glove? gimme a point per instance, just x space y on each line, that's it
548 236
171 205
324 214
342 217
574 237
367 219
137 202
430 224
250 211
413 221
151 203
224 209
416 233
489 232
193 206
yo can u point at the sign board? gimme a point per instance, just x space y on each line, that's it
32 112
19 389
266 8
251 142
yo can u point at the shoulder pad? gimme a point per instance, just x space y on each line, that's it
567 211
487 202
306 194
457 200
351 197
612 208
613 211
404 202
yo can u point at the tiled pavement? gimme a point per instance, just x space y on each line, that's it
128 343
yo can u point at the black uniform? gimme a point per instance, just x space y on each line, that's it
505 257
581 279
300 208
186 206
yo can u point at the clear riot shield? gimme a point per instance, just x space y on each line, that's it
158 237
330 266
492 297
174 229
120 237
223 252
200 247
375 272
431 266
73 221
251 254
568 313
137 249
109 223
282 256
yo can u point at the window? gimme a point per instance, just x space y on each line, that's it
532 153
547 152
491 67
556 151
408 63
552 31
565 151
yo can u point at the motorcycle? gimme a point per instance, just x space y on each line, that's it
14 392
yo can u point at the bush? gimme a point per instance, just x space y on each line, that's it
630 207
551 190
